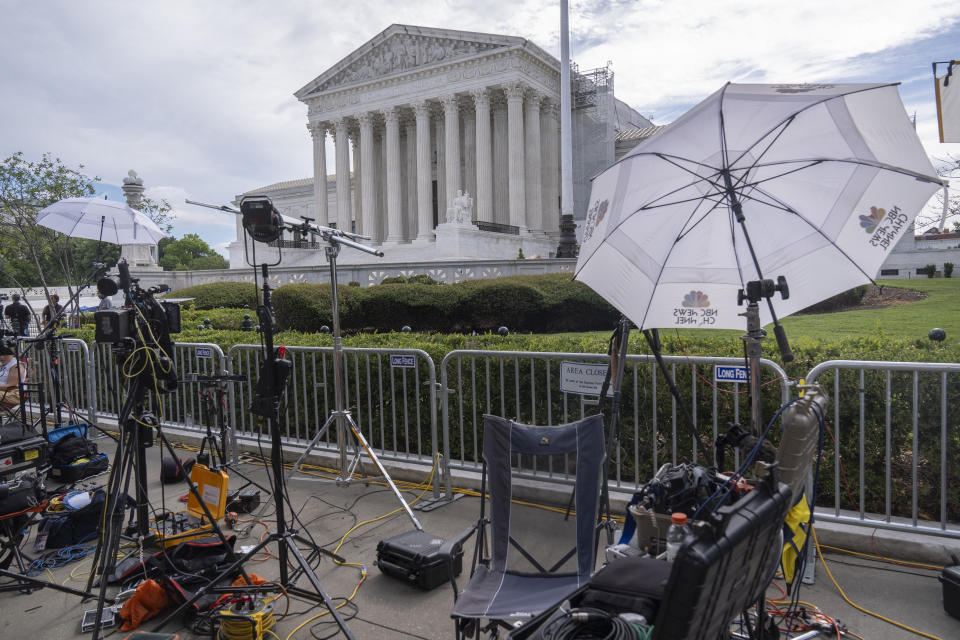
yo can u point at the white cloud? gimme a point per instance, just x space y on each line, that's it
198 96
185 216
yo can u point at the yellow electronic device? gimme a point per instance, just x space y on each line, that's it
193 523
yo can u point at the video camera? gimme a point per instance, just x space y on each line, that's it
142 322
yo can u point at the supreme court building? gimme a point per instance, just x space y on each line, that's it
447 146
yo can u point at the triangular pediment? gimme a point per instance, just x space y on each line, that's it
403 48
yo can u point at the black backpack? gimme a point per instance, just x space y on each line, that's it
71 448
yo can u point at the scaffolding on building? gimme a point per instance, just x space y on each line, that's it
587 86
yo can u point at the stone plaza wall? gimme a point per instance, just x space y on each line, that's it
366 274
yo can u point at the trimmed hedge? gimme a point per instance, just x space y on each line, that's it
218 294
539 304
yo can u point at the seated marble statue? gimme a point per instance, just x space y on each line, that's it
461 209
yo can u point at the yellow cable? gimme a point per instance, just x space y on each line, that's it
363 577
906 563
843 595
363 568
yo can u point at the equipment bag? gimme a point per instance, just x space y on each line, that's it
71 448
15 431
73 527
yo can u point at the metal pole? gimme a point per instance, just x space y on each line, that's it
566 143
332 250
567 247
753 339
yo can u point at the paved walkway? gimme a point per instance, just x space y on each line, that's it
387 608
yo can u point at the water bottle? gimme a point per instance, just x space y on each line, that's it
676 534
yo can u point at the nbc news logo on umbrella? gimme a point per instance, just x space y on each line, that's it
892 222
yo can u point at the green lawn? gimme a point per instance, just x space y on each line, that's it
913 320
940 309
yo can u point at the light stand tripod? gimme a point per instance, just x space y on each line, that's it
48 335
341 415
148 366
266 404
263 223
213 399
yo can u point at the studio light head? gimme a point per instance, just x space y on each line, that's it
261 219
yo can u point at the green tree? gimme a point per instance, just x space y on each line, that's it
188 253
159 212
32 255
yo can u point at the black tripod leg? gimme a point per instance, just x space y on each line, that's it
203 505
315 582
116 471
248 482
37 583
114 523
200 592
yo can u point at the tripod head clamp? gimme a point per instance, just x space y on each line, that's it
757 290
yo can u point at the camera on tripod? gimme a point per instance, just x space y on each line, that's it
141 329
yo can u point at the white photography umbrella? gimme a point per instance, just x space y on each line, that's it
97 219
814 183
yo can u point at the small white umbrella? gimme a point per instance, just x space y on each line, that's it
97 219
816 183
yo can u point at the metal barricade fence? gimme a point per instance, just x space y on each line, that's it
76 381
894 450
891 457
181 408
527 387
184 408
391 393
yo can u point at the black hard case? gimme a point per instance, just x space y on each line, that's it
413 558
30 453
950 578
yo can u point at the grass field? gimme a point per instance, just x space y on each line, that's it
940 309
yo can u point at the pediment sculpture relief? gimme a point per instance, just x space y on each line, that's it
402 53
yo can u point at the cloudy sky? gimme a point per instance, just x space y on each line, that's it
198 96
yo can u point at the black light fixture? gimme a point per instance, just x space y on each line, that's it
261 219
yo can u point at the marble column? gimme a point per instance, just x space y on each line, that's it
410 162
532 161
368 202
515 162
343 174
550 140
319 132
501 201
424 191
484 176
441 138
470 152
394 202
357 183
451 121
380 167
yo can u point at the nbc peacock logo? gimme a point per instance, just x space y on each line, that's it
594 217
870 222
696 299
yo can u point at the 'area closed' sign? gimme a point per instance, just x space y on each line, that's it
582 377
